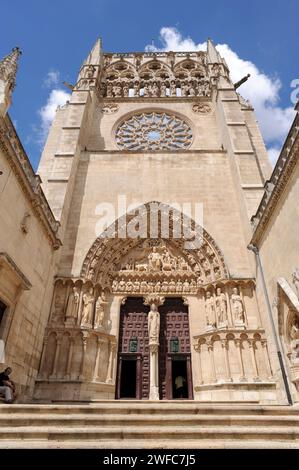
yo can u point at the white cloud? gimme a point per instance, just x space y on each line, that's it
273 155
261 90
47 113
52 78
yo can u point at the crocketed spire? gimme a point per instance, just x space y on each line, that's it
9 67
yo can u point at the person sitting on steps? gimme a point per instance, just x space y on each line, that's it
7 386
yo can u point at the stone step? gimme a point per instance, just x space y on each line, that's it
128 407
154 433
55 419
132 424
141 444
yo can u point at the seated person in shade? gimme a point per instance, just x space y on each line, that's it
7 387
179 386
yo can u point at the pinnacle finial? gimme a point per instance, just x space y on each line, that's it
9 67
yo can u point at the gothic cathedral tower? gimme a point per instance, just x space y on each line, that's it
137 312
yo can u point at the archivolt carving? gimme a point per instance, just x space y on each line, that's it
146 265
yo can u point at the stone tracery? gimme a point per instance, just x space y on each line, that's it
153 131
149 76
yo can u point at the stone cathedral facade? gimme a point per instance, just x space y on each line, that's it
121 310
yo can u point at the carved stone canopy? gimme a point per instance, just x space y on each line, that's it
154 299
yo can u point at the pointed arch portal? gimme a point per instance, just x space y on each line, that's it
166 257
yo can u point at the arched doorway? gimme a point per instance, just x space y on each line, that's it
175 376
174 358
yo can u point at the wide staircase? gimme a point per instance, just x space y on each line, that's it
132 424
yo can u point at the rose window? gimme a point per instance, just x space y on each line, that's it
154 131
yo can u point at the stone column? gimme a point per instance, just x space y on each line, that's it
238 343
229 309
253 360
109 379
212 363
82 371
69 359
57 353
154 372
43 372
266 358
100 342
224 344
197 348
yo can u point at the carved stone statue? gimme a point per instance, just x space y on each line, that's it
155 89
221 307
184 89
100 311
155 261
117 89
210 310
295 351
186 287
90 71
109 90
237 306
125 90
72 305
295 277
136 89
146 91
153 324
192 90
172 88
163 89
87 310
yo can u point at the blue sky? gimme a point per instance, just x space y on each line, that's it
56 36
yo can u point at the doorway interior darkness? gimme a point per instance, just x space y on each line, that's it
174 350
128 378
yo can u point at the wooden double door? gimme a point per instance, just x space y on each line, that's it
133 375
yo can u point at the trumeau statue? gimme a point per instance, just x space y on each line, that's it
221 307
210 310
72 305
87 310
153 324
237 306
295 277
